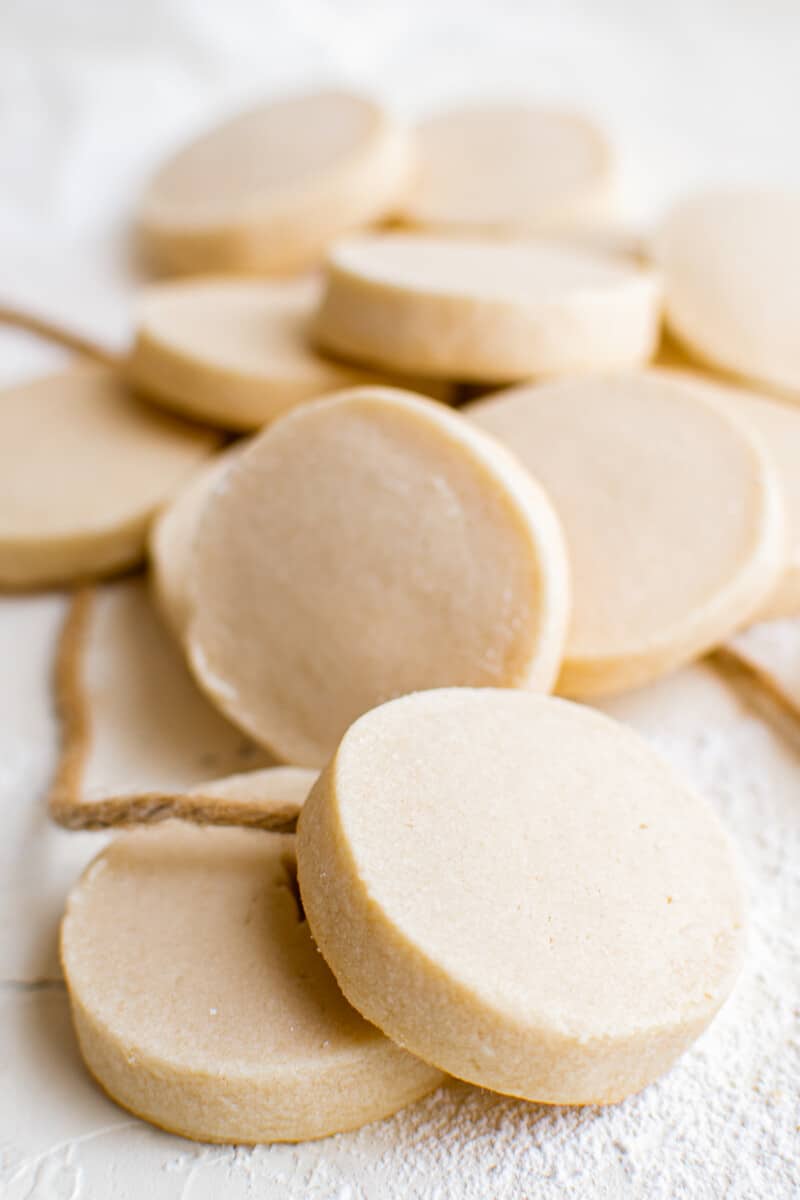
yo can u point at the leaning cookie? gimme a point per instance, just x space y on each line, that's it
672 511
369 544
520 890
202 1004
139 741
764 663
777 426
730 260
172 537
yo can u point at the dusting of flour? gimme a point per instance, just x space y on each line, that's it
722 1124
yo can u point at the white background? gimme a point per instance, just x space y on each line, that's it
92 92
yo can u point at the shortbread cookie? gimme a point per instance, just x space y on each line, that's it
269 189
777 425
520 891
509 169
84 467
202 1004
236 352
770 652
172 539
136 732
364 546
671 511
473 310
731 265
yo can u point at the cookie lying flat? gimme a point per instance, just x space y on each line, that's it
136 732
731 265
172 539
474 310
84 467
269 189
570 956
540 171
671 512
366 545
201 1002
236 352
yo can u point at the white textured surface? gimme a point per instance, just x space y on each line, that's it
38 861
92 94
723 1123
152 728
89 93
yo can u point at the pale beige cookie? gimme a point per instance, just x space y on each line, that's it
236 352
509 169
671 511
364 546
520 891
202 1004
172 541
770 653
777 425
84 468
269 189
476 309
731 266
137 734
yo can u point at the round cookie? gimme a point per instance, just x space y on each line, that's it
579 934
671 512
201 1003
84 467
267 190
480 310
777 426
235 352
509 169
172 539
731 266
364 546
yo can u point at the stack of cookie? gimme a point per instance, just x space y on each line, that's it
474 475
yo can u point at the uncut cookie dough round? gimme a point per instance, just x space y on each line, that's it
268 189
539 171
364 546
235 352
201 1003
584 933
481 310
671 512
84 467
731 265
